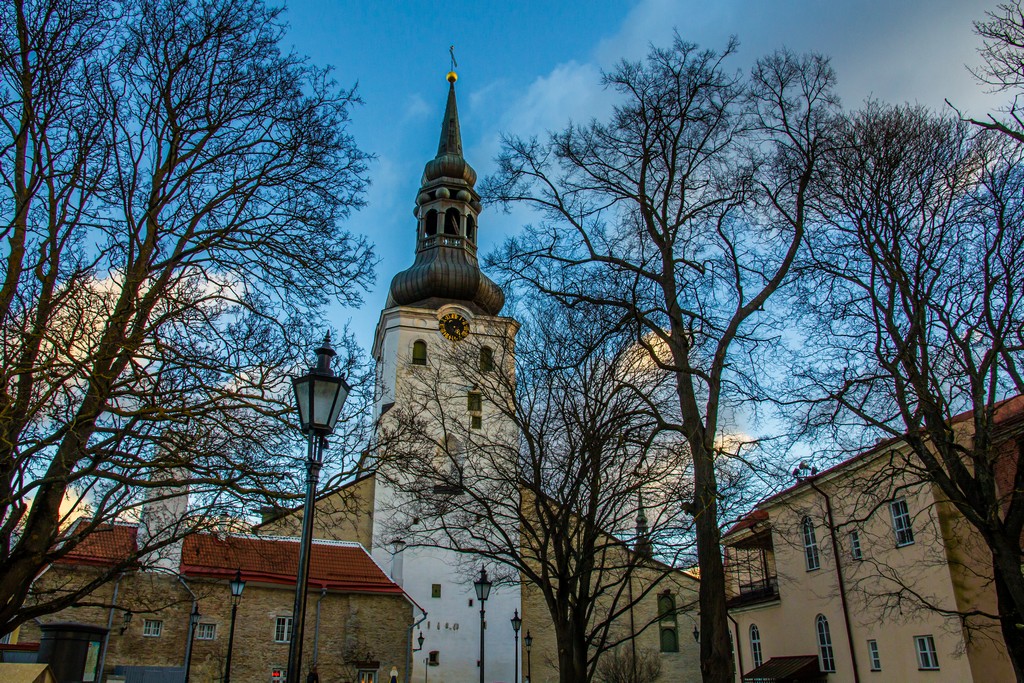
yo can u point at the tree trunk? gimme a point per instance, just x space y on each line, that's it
1011 621
716 662
572 655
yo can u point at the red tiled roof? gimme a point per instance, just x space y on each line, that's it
335 565
748 520
104 545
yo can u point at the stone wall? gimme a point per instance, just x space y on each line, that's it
357 631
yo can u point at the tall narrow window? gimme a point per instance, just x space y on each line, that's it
451 222
901 524
419 352
927 657
667 622
755 644
810 545
826 658
474 402
486 359
430 224
470 228
855 551
873 657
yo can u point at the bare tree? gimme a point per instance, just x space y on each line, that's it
622 666
915 313
1003 70
683 214
173 184
539 465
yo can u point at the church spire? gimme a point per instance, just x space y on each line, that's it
451 134
446 269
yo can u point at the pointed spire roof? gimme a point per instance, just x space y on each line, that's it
451 133
447 207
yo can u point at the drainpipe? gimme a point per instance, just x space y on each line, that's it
408 650
316 629
188 631
110 623
839 577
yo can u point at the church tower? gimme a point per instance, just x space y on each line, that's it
442 317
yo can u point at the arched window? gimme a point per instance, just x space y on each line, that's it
486 359
451 222
430 223
810 545
419 352
755 645
826 658
667 622
470 228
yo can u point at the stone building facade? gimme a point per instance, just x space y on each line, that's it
357 629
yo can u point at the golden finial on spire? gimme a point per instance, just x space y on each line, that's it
452 76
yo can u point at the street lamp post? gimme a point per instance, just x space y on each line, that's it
193 621
237 586
319 396
528 641
517 623
483 590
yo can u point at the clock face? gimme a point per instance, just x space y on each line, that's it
453 326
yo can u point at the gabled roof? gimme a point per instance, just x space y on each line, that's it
335 565
798 668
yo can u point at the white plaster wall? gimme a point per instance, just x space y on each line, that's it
452 625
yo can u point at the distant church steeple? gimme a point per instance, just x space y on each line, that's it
447 208
642 545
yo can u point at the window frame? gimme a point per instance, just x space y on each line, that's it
902 524
856 551
361 676
928 651
486 363
435 590
812 559
755 645
283 625
281 674
156 624
416 359
874 658
211 627
826 654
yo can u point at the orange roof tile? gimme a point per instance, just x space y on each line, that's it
336 565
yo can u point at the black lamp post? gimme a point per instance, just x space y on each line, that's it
517 623
193 621
237 586
319 395
528 641
483 590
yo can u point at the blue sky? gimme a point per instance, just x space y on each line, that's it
526 67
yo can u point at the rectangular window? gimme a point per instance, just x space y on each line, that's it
476 422
474 402
873 658
283 630
278 675
901 522
206 631
434 658
810 545
152 628
367 676
435 590
926 656
855 551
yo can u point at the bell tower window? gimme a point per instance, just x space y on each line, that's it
470 229
451 222
486 359
430 224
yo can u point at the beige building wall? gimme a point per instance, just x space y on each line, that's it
345 514
887 591
356 631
